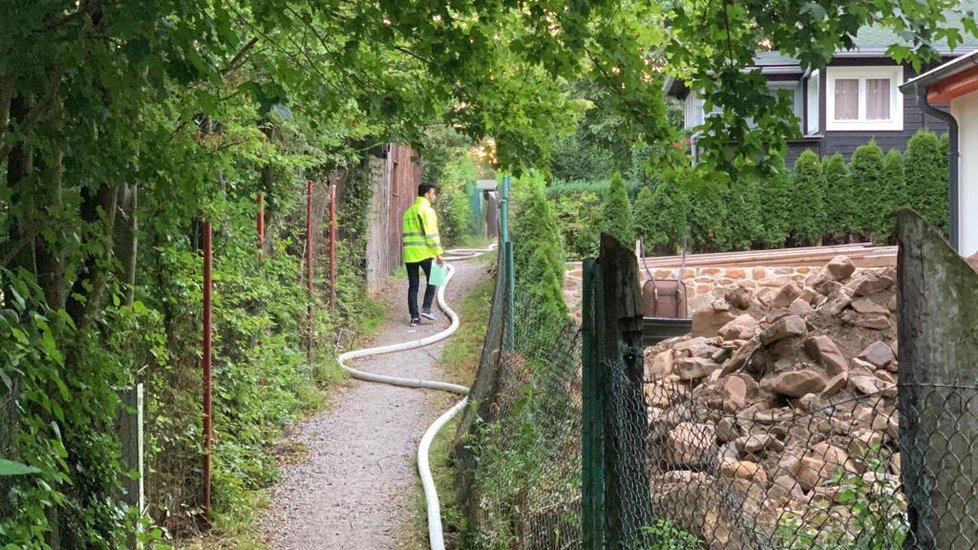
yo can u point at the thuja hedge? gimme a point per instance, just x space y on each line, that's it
818 201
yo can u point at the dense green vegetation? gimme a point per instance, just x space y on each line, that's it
817 201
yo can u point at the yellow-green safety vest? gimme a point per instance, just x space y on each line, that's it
420 232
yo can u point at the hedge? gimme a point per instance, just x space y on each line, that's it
806 200
866 180
616 216
927 179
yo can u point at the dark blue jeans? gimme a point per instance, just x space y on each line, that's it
414 281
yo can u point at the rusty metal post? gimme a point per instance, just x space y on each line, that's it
332 247
207 369
309 271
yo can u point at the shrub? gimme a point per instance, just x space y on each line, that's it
926 169
665 220
538 253
453 206
806 200
866 179
744 221
894 193
616 217
837 197
579 217
774 192
708 220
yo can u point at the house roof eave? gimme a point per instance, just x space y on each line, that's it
940 72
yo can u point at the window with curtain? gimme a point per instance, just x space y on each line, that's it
847 99
864 98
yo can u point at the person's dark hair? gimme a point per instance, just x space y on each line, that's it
424 188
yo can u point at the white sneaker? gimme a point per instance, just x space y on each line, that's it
427 314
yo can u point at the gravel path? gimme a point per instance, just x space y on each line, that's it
356 489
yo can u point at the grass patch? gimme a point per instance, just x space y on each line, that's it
400 273
459 361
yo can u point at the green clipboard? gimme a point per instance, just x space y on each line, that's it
437 275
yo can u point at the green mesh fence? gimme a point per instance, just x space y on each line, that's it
566 448
518 450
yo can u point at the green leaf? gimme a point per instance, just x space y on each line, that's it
11 468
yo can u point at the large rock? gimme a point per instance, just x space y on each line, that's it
743 327
867 384
794 383
743 469
835 384
751 444
739 297
824 350
878 354
787 294
785 327
662 364
741 356
734 394
839 268
708 321
800 307
870 283
874 322
692 443
865 305
833 456
694 368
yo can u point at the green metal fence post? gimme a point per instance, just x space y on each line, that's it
593 397
510 271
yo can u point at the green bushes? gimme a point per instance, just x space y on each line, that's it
837 199
926 170
817 202
866 180
893 193
455 185
616 218
806 214
538 253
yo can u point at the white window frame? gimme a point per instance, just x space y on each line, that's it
893 73
795 87
811 93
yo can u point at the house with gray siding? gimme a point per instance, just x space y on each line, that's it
853 100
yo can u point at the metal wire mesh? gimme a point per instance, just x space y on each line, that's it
518 450
826 476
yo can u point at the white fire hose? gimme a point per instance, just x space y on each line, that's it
435 533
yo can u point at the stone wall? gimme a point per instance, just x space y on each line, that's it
705 284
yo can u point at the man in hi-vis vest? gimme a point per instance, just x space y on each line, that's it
421 245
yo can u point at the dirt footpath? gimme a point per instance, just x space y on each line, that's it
356 489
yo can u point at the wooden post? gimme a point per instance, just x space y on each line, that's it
938 402
593 394
628 511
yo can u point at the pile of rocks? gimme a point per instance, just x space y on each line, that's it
773 393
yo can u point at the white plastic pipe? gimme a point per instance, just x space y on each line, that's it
435 534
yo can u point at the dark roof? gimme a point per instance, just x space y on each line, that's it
875 39
870 41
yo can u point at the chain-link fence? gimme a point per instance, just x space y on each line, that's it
571 443
518 449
